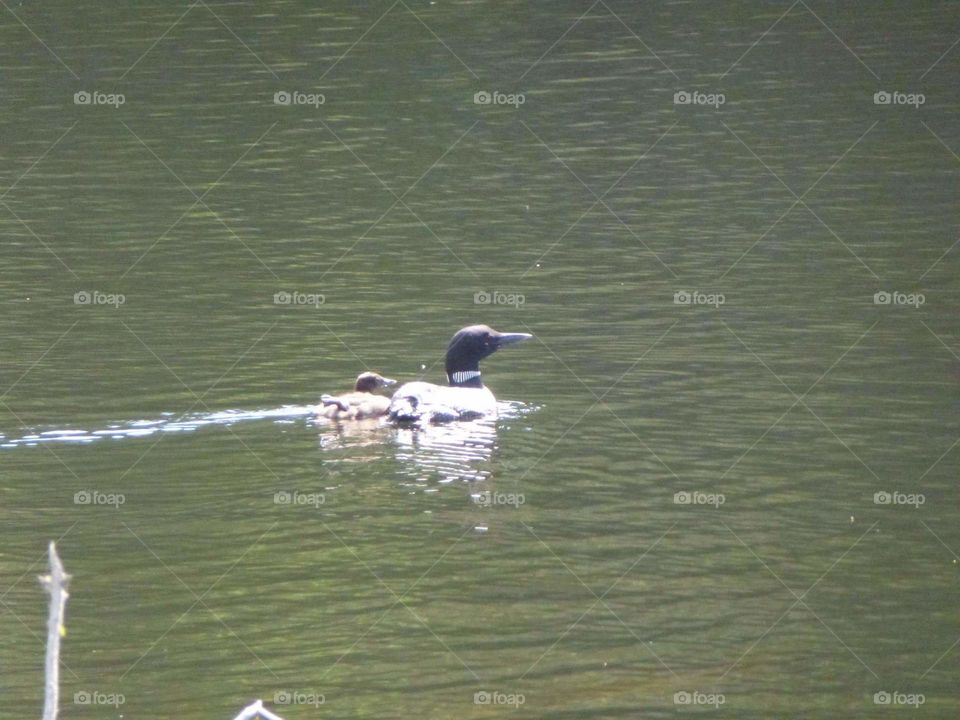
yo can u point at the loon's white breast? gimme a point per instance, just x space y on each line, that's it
423 401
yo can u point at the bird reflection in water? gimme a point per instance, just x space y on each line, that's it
366 433
447 453
427 454
459 451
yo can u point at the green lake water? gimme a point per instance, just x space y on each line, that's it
724 482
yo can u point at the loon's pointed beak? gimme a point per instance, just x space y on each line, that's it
503 339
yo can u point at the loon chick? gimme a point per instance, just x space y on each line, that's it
466 398
359 404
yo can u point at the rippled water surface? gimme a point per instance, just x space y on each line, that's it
724 477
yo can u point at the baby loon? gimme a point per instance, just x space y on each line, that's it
359 404
466 398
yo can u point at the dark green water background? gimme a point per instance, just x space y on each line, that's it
797 400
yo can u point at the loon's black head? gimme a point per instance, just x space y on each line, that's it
370 381
471 345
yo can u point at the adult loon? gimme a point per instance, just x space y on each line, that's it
466 398
359 404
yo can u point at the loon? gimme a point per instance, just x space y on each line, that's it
359 404
466 398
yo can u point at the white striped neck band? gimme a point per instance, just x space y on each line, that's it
462 376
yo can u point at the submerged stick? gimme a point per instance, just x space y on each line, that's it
56 584
256 710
